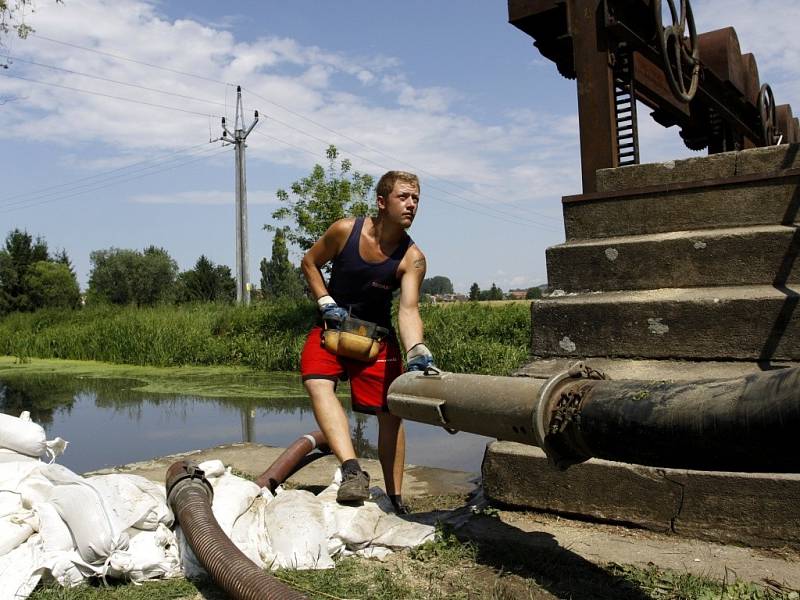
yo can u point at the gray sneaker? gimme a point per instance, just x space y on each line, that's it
354 488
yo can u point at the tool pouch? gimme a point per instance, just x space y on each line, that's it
354 338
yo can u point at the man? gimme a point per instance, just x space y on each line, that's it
372 257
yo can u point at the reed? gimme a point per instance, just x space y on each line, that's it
468 337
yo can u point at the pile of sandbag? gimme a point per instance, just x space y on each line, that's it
296 529
57 525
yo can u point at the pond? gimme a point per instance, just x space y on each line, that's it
114 421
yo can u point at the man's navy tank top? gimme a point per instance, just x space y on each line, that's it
365 288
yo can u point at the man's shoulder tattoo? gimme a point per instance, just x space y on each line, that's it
419 263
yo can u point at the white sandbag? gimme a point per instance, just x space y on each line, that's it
52 528
212 468
26 437
375 552
14 473
15 529
190 565
10 503
233 496
92 523
22 435
19 570
7 455
250 532
296 531
135 501
150 555
67 568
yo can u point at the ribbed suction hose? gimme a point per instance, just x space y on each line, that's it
294 458
189 495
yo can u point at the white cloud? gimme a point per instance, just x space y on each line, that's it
419 128
518 162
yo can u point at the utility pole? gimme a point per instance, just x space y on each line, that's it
237 138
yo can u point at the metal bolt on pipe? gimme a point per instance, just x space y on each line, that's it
745 424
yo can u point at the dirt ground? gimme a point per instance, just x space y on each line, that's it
523 554
537 556
542 555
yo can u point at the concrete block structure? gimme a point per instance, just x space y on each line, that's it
680 270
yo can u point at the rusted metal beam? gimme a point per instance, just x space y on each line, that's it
587 38
598 128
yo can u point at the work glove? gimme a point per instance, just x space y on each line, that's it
418 358
332 313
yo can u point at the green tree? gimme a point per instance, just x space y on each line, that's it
493 293
474 292
12 13
533 293
63 258
8 278
19 253
52 284
437 285
124 276
323 197
279 277
206 282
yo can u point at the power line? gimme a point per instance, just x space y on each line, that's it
132 60
471 209
101 174
101 94
106 79
377 151
68 196
449 193
302 132
89 186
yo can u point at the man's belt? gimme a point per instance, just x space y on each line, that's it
354 338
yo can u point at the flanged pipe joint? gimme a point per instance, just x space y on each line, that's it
744 424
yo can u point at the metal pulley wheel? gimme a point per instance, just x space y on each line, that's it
766 110
680 53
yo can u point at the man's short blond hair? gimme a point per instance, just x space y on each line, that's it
387 181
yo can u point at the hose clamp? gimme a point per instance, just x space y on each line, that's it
183 473
545 402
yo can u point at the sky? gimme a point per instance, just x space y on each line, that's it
106 113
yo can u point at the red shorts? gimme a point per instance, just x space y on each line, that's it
369 382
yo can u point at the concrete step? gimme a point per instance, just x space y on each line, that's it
771 198
720 506
755 255
653 370
757 323
757 161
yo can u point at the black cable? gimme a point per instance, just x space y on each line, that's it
106 79
111 184
371 149
132 60
93 93
101 174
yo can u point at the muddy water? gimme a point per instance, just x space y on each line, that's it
109 422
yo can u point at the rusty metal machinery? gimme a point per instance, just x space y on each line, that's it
621 51
747 424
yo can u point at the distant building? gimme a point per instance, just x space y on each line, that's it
448 298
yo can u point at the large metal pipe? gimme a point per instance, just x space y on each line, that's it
744 424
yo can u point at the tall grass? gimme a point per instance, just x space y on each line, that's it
266 336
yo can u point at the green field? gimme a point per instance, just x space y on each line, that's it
267 336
